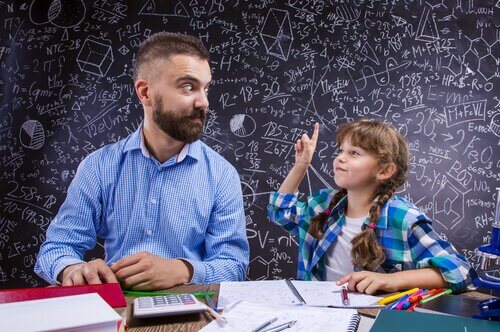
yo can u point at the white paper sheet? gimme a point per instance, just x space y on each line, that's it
327 293
246 316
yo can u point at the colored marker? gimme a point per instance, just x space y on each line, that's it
401 302
430 298
394 297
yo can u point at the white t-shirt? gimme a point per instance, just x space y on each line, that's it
337 259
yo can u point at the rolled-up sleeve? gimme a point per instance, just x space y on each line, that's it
282 210
429 250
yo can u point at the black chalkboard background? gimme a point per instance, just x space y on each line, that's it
430 68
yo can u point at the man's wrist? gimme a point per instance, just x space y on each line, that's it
186 271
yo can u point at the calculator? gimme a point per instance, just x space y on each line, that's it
167 305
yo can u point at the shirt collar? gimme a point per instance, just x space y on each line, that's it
136 142
339 209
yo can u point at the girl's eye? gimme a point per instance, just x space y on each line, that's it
354 153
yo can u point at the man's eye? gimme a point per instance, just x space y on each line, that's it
187 87
206 91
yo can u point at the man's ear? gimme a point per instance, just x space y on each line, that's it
386 171
143 91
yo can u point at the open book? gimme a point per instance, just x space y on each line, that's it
289 292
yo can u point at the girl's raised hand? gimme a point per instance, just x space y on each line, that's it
305 147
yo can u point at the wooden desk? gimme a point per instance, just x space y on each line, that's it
183 323
197 321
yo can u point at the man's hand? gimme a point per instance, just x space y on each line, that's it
145 271
370 282
93 272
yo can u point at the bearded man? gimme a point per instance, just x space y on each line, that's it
169 208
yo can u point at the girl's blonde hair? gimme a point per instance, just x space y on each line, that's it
387 145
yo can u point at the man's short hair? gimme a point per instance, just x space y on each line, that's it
162 45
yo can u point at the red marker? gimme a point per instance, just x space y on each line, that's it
345 298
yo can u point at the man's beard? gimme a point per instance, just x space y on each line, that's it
179 126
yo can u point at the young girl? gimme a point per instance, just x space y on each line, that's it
363 234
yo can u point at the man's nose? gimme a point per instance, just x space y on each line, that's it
202 101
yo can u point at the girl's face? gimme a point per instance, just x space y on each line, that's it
354 167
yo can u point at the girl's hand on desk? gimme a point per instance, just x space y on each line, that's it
370 282
93 272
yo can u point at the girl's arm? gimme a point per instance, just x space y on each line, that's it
371 282
304 151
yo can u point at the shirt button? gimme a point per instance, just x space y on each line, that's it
149 232
153 201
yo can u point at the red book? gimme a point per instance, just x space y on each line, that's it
111 293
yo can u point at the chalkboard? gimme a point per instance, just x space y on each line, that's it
430 68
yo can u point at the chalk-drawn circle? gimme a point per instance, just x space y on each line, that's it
242 125
32 135
38 11
248 195
495 124
67 13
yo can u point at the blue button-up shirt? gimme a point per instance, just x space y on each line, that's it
189 207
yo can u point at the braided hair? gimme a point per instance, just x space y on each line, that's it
388 146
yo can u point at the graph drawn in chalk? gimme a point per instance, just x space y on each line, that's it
32 135
242 125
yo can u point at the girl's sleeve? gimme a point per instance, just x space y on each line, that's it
288 212
429 250
283 210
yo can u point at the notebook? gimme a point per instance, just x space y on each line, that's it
84 312
451 305
247 316
111 293
292 292
398 320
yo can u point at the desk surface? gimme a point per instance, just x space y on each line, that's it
197 321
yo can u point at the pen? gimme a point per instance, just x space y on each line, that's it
216 315
430 298
260 327
139 293
345 298
394 297
209 301
281 327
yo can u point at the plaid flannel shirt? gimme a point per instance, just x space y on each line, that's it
404 232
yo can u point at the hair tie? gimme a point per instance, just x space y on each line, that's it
327 212
372 224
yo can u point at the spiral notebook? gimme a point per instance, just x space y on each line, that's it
246 316
290 292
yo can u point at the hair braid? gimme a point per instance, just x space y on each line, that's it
366 251
317 222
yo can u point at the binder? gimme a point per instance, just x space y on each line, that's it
110 292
